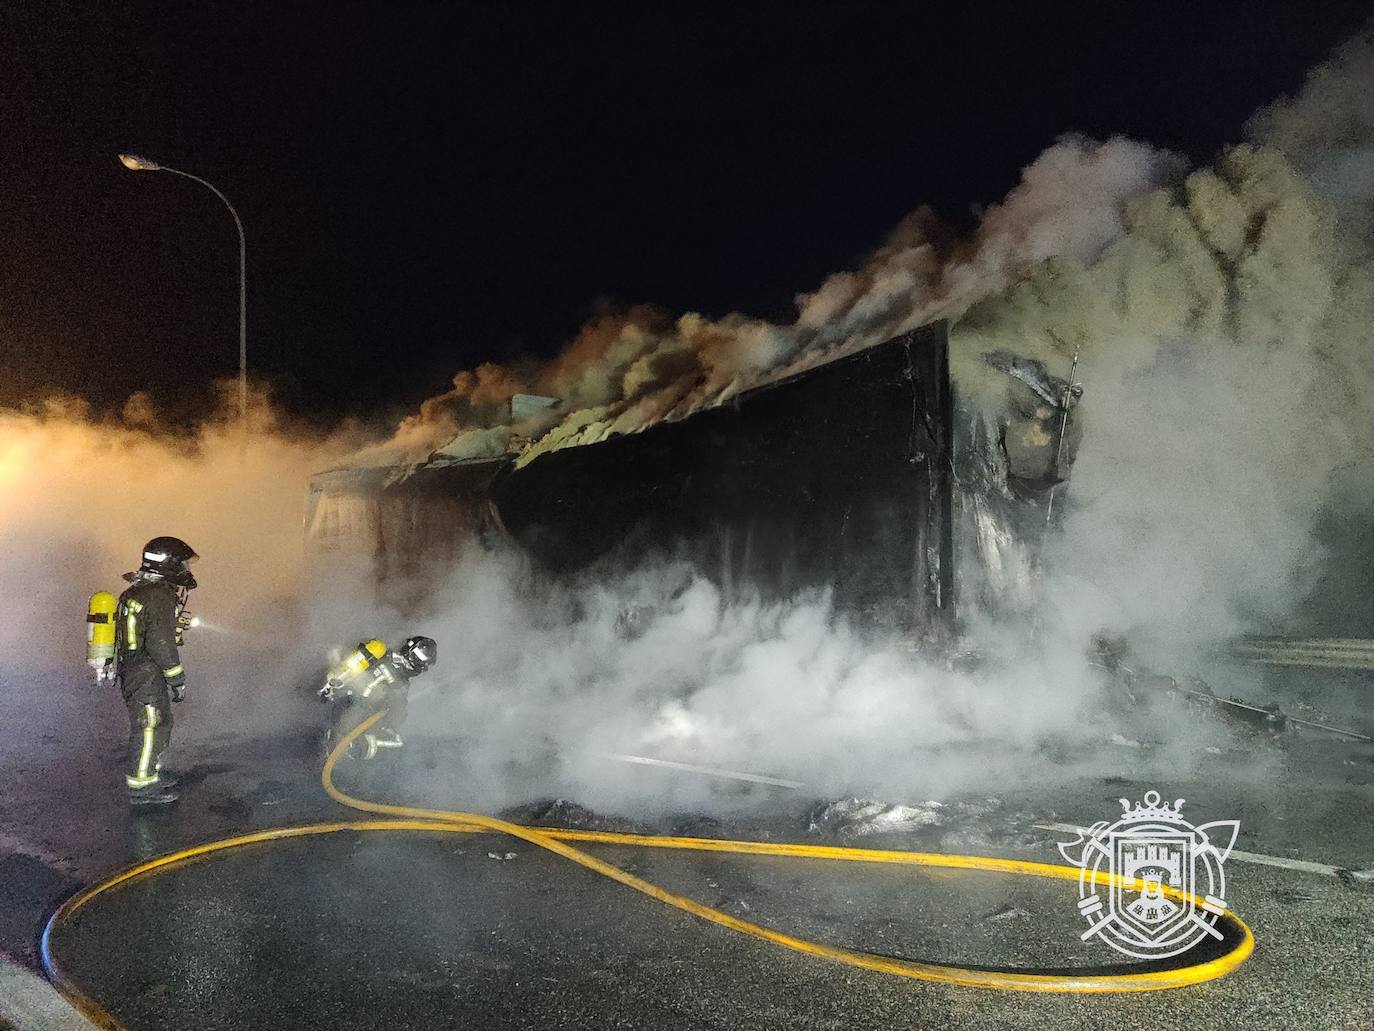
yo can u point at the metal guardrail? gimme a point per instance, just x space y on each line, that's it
1322 653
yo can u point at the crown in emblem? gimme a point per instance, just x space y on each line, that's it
1151 810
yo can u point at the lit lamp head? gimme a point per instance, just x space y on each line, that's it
138 164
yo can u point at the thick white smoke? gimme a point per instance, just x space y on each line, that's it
539 686
1227 381
1327 131
623 373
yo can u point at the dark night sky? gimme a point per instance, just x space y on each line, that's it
431 186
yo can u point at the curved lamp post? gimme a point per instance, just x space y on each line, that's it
141 164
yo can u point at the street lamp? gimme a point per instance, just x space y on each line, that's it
135 163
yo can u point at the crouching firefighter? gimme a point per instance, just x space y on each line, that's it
149 622
372 678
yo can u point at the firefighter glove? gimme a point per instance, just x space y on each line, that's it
176 682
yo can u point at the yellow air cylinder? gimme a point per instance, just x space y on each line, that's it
100 629
363 657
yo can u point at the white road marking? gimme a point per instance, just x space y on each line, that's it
753 778
1259 859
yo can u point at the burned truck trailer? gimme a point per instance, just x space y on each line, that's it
862 476
836 478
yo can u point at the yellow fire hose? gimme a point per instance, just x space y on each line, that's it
410 818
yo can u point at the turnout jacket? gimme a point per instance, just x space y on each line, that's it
147 635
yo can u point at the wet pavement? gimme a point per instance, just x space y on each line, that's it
414 930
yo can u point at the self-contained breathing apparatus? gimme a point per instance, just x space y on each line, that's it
100 637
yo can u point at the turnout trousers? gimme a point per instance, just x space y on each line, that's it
150 726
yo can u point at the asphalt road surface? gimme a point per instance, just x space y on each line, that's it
429 931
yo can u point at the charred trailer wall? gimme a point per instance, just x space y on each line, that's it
341 511
408 525
430 516
837 478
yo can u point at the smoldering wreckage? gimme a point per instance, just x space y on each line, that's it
1126 415
918 507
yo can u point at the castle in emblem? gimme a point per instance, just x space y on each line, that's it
1156 866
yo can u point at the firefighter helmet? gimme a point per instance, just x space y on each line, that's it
169 558
418 654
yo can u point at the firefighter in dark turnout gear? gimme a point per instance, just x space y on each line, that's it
371 677
148 625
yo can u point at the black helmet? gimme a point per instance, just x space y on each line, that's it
169 558
418 654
